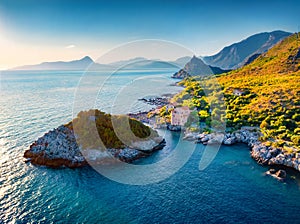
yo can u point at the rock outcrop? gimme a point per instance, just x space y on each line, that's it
58 148
181 74
197 67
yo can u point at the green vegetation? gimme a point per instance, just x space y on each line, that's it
265 93
97 130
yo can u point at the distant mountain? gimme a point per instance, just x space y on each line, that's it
237 54
143 63
181 61
87 62
123 63
282 59
150 65
84 63
197 67
81 64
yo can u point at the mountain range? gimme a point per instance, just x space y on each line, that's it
237 54
61 65
230 57
87 62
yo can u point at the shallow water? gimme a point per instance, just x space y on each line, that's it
232 189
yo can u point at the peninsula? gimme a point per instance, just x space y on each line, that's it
260 105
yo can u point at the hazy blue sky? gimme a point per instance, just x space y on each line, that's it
35 30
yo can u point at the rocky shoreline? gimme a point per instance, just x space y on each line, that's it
259 151
58 148
156 101
262 153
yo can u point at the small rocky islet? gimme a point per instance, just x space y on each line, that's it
66 147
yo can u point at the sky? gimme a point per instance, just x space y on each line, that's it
33 31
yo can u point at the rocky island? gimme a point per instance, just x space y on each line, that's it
76 144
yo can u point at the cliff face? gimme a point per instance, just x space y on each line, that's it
56 148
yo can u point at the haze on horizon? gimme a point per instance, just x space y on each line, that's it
32 31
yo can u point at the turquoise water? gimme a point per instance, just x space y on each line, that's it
232 189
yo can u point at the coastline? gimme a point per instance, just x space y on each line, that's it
158 102
64 138
259 151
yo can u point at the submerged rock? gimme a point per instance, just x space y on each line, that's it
272 171
279 174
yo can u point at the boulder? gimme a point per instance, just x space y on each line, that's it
238 137
281 174
205 138
190 136
272 171
202 135
229 141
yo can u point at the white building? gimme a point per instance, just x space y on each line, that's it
179 115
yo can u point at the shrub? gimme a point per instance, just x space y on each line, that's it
297 130
296 117
296 139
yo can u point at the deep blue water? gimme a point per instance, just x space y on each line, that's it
233 188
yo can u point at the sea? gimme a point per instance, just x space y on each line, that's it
233 188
